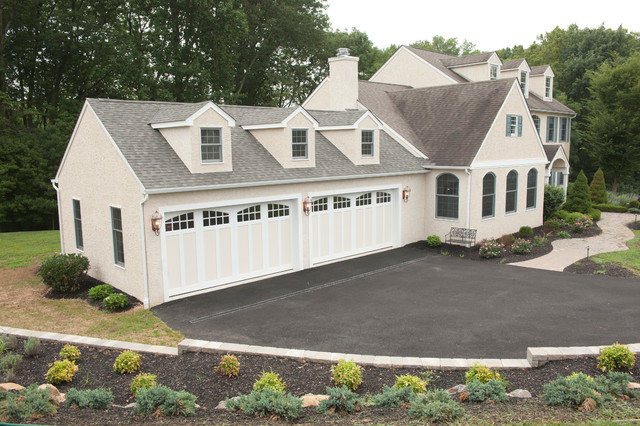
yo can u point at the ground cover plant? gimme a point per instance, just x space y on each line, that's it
229 366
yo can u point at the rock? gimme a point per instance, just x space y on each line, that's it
222 405
11 387
457 389
130 405
587 405
311 400
633 385
520 393
55 394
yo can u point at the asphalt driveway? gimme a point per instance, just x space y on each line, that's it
406 302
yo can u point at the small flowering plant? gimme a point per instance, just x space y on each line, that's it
490 248
521 246
581 224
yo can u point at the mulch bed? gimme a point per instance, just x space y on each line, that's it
86 283
194 373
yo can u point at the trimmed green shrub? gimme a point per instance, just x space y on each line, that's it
127 362
70 352
616 357
61 371
581 224
490 248
115 302
634 211
525 231
415 383
32 347
393 397
167 402
98 399
142 381
595 215
271 381
436 407
578 196
62 272
346 373
493 389
616 384
521 246
554 223
28 404
598 189
568 391
342 400
563 234
634 204
482 374
553 199
101 291
10 363
538 241
610 208
433 241
229 366
267 403
8 342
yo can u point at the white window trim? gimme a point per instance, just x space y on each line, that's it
507 191
495 182
306 144
221 160
113 241
493 75
372 143
75 219
535 198
548 88
449 219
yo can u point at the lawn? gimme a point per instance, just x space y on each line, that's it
627 258
23 303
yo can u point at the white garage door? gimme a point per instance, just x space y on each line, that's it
349 224
207 248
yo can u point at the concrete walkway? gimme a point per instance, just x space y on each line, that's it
614 236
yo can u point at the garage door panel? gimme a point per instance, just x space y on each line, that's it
244 246
210 254
224 253
174 276
285 243
257 248
190 260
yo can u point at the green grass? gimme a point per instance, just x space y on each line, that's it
627 258
20 249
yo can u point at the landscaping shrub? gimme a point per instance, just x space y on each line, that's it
620 198
229 366
28 404
615 384
635 211
595 215
581 224
8 342
101 291
267 403
507 240
115 301
493 389
70 352
598 189
634 204
415 383
98 399
127 362
32 347
563 234
342 400
271 381
346 373
490 248
525 231
142 381
537 241
521 246
433 241
616 357
610 208
393 397
436 407
61 371
10 363
578 196
165 401
482 374
62 272
554 223
572 390
553 199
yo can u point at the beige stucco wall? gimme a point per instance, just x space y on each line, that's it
94 173
477 72
349 142
278 142
339 91
411 213
406 68
537 84
543 130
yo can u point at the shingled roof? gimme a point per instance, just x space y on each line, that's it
539 69
336 118
436 59
250 115
537 104
160 169
457 61
512 64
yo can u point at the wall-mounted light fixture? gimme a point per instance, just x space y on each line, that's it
306 206
405 194
156 222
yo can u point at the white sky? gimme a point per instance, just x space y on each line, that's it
490 24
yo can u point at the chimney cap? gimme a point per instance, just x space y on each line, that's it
343 51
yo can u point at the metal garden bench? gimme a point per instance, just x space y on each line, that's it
461 235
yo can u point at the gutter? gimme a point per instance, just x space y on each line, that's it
54 182
468 197
144 252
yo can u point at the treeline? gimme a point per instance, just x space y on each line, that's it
56 53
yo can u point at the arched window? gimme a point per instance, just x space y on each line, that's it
511 205
447 196
489 195
532 188
536 122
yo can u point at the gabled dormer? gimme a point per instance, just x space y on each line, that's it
479 67
199 133
541 82
517 68
292 141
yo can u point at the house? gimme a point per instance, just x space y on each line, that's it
173 199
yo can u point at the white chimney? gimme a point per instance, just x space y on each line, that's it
343 81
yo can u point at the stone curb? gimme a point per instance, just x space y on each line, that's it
536 356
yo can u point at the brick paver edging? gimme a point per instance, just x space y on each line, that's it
535 356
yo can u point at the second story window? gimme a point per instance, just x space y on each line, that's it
299 144
211 145
367 143
547 87
514 125
564 129
552 125
523 81
536 122
493 72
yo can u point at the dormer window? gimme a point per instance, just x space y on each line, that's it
523 81
493 72
367 143
547 87
211 145
299 144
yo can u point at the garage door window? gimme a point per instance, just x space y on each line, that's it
277 210
341 203
320 205
383 197
213 218
363 200
250 213
176 223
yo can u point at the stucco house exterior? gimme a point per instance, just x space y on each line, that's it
171 199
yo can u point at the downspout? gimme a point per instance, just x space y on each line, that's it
468 197
145 302
54 182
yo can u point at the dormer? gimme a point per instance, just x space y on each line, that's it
199 133
292 141
480 67
541 82
517 68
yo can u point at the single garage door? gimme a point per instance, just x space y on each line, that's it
210 247
344 225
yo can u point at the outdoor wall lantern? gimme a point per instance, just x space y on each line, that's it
156 222
405 194
306 206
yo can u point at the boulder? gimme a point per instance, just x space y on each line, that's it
633 385
311 400
519 393
587 405
55 394
11 387
457 389
222 405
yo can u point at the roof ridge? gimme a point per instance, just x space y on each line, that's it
146 102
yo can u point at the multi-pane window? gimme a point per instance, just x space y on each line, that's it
447 196
277 210
536 122
511 205
523 81
320 205
552 125
250 213
214 218
488 195
77 223
547 87
532 188
383 197
211 145
182 221
367 143
116 232
341 203
564 129
557 179
363 200
493 72
299 143
514 125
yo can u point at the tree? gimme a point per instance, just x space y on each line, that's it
597 189
553 199
449 46
578 196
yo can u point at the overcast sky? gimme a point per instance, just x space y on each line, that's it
490 24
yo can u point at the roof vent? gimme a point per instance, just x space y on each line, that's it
343 51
